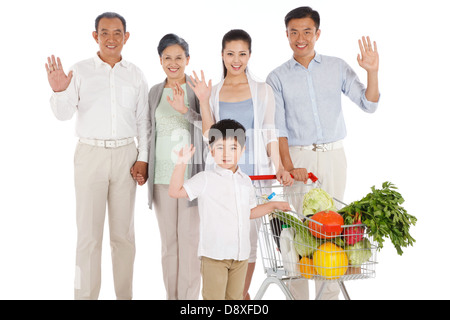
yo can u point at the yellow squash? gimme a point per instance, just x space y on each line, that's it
330 261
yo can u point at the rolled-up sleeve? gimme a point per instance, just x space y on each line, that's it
353 88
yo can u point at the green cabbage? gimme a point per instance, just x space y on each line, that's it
304 242
317 200
359 253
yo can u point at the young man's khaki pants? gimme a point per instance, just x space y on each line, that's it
103 179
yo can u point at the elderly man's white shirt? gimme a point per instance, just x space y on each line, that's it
110 103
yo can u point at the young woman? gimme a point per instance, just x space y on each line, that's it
239 97
175 121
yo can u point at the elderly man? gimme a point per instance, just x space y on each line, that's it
109 96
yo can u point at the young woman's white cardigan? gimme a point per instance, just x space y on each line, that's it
264 121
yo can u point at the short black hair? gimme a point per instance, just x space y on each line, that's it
172 39
110 15
225 129
303 12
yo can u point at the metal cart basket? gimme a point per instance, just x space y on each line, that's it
294 246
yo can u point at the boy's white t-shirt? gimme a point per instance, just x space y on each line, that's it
224 201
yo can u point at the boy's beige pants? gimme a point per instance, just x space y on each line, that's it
103 179
223 279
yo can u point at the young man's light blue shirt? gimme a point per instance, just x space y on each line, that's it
308 100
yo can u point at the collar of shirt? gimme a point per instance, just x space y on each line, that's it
292 62
98 62
223 172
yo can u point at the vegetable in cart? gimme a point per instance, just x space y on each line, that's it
330 261
354 234
304 242
343 252
359 253
329 226
382 212
317 200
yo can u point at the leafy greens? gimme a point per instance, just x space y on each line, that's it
382 213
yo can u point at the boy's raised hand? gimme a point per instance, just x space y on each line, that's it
185 154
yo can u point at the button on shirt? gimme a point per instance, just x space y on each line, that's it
225 200
112 103
308 100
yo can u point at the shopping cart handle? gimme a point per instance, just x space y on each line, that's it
271 177
312 177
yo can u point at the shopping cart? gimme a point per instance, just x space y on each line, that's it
294 246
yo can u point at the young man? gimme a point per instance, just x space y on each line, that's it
309 117
109 96
226 205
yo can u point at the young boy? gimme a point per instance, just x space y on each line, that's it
226 205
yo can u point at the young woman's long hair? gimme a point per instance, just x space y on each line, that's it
234 35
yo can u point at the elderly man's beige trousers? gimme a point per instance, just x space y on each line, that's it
103 179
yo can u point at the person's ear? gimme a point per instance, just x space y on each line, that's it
127 36
95 36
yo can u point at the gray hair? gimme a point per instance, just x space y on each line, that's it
172 39
110 15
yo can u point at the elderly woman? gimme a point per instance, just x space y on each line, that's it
175 122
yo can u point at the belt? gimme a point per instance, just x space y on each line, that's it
107 143
322 147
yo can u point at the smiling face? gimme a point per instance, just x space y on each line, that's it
236 55
302 35
174 62
227 152
111 38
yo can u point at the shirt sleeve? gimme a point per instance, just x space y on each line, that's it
143 121
196 185
280 118
64 104
353 88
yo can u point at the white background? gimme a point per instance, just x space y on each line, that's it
405 141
